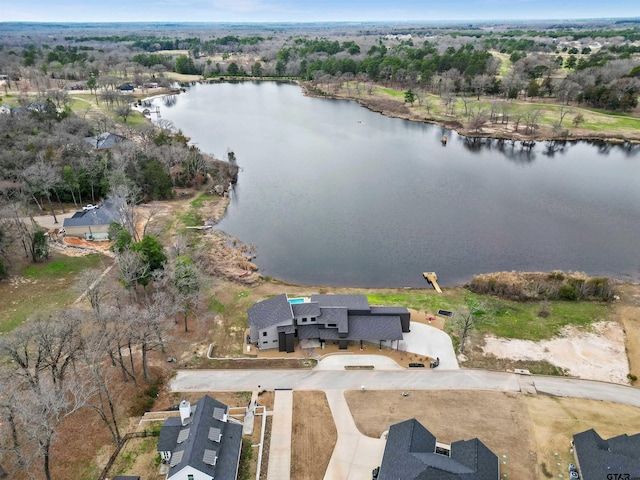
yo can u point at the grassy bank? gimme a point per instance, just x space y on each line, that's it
42 288
510 319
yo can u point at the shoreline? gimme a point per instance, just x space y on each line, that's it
456 126
232 252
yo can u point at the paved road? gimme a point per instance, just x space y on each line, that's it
240 380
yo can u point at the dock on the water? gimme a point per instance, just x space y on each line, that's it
432 278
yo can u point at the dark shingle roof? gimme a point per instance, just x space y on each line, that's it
337 316
287 329
308 331
369 327
197 448
410 455
169 434
476 456
351 302
379 310
107 212
598 457
270 312
307 309
104 140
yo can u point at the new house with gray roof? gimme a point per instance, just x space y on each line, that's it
203 444
412 453
277 321
105 141
596 458
93 224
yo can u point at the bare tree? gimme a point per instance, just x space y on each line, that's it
42 178
564 111
103 402
132 268
41 413
90 283
187 280
124 111
59 343
531 118
465 322
9 421
150 326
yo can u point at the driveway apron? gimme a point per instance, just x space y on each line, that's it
280 449
355 455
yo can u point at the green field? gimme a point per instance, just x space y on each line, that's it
42 289
507 319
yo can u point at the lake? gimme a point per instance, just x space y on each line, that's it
331 193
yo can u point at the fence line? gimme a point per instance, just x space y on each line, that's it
121 444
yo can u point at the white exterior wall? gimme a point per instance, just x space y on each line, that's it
186 471
82 232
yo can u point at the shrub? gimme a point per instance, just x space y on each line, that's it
144 401
556 275
545 309
568 292
632 378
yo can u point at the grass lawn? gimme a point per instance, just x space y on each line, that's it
509 319
42 288
183 77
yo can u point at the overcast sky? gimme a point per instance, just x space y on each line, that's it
309 10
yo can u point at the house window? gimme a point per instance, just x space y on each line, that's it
264 334
189 477
266 341
304 320
275 341
332 325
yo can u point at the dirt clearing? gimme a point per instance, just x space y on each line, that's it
595 355
556 420
314 436
500 420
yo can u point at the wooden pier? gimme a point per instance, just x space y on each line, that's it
432 278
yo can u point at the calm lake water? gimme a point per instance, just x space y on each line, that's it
333 194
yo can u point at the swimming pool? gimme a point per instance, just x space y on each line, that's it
296 300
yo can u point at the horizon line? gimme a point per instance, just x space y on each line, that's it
301 22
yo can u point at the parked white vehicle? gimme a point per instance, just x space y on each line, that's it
89 207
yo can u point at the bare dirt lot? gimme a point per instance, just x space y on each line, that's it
314 436
595 355
499 420
530 434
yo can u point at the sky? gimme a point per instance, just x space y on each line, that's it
309 10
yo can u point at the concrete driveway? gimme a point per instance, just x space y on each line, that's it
281 431
340 361
355 455
432 342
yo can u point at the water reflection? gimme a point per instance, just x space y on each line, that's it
551 147
332 193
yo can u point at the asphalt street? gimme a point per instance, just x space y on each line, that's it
243 380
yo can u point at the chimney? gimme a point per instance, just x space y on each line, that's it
185 411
